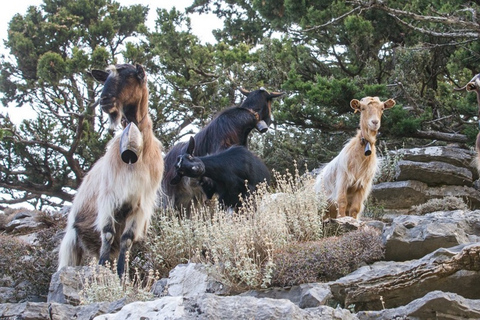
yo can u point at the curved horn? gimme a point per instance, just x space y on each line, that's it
244 92
471 85
461 89
276 94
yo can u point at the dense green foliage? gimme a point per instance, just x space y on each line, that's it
321 54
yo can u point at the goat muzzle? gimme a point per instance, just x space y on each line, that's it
261 126
131 144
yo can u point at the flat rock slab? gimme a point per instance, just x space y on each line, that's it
412 237
405 194
386 285
433 173
456 156
399 194
434 305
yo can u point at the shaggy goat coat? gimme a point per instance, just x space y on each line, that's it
116 200
347 180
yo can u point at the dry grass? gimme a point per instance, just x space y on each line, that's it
328 259
239 246
387 166
248 249
101 283
440 204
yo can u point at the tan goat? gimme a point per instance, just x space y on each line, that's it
347 180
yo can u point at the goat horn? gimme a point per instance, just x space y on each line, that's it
461 89
276 94
245 92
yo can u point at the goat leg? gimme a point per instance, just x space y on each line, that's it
108 235
126 242
356 203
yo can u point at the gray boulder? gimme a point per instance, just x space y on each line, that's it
308 295
459 157
210 306
434 305
23 222
412 237
394 284
66 285
433 173
193 279
55 311
399 194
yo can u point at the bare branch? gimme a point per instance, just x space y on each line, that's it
333 21
450 137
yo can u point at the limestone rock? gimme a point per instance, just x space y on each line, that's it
193 279
433 173
434 305
210 306
23 222
407 194
412 237
393 284
459 157
306 295
55 311
66 285
469 194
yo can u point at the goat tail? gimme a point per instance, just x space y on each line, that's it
70 253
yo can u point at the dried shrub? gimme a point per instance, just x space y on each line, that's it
238 246
12 252
387 165
52 220
440 204
42 262
102 284
32 265
328 259
7 216
3 221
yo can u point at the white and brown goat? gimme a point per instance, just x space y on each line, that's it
116 200
347 180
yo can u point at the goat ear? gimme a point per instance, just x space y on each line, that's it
191 146
244 92
141 73
99 75
276 94
355 104
176 179
389 103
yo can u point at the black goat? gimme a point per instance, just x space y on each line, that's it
230 127
235 171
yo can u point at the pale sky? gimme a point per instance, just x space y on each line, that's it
202 26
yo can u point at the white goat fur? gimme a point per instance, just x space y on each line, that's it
108 186
347 180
